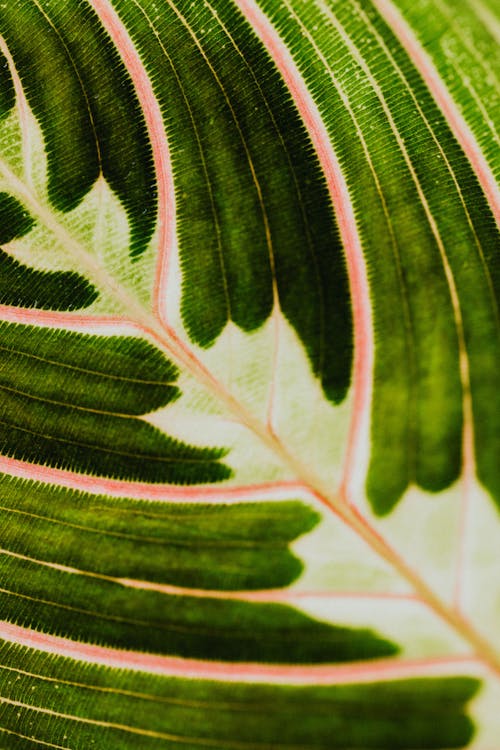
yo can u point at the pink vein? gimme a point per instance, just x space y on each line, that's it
448 106
48 319
159 144
323 674
363 360
259 492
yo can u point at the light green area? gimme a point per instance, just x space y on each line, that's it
36 272
268 372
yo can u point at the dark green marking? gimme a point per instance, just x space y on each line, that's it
46 72
83 98
233 547
72 401
193 545
7 92
21 286
251 199
15 220
399 715
97 611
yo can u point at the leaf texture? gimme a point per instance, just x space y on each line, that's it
249 414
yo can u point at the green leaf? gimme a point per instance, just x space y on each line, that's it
182 713
249 409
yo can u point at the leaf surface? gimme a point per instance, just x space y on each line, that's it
249 415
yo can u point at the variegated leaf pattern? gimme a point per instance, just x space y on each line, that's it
249 403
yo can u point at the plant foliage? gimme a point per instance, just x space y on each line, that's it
249 400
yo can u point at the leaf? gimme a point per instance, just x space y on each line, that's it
249 414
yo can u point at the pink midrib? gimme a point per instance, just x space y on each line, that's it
159 144
329 674
257 492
